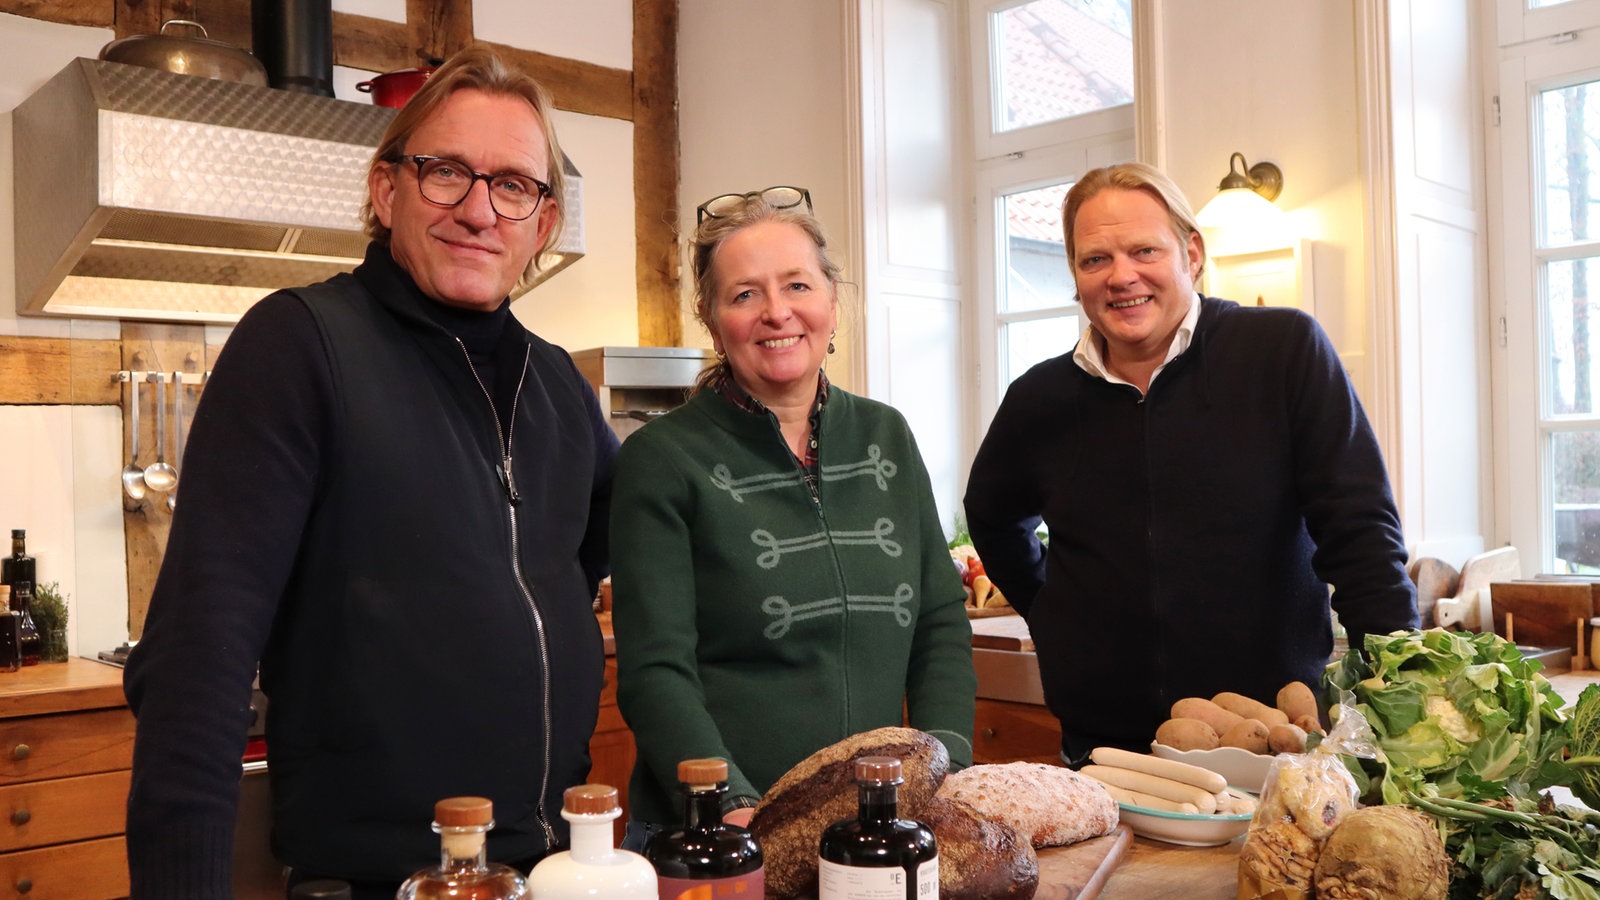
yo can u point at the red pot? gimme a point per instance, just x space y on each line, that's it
395 88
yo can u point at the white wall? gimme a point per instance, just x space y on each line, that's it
763 101
59 464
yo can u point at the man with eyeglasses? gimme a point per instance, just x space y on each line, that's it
395 502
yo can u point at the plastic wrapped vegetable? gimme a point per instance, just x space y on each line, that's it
1305 797
1455 715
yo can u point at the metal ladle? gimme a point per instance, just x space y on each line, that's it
133 473
159 476
177 435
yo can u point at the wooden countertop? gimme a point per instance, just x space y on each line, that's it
60 687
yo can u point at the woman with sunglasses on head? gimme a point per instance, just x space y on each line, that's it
780 578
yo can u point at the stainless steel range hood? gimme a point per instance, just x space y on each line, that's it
142 194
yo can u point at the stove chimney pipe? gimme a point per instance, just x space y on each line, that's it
294 40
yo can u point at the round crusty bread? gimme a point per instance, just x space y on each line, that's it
979 859
1046 805
821 790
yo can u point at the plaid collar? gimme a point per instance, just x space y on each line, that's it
724 384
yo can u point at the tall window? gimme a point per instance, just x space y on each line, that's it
1550 139
1054 84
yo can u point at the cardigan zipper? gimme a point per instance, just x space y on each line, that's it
508 483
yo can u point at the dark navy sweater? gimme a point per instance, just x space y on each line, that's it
1193 531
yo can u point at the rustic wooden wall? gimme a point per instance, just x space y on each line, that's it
57 371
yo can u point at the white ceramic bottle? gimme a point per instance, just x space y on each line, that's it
594 867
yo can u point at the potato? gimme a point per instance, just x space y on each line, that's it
1187 734
1240 705
1249 734
1296 700
1310 724
1286 739
1200 708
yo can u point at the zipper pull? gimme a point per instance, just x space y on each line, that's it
509 482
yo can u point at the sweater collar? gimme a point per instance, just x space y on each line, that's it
398 292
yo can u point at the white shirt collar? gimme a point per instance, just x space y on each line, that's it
1091 359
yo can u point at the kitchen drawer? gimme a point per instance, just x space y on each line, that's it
63 809
87 870
77 743
1007 732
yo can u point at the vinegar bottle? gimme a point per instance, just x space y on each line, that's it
594 867
878 856
30 643
464 872
708 858
18 568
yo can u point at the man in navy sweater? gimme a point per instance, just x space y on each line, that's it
1205 472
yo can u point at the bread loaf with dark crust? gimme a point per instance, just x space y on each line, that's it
821 790
979 859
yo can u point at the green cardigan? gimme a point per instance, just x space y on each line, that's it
758 626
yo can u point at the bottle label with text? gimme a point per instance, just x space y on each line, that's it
839 882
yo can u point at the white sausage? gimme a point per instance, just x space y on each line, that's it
1164 768
1176 791
1147 801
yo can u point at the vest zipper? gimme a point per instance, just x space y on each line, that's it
508 483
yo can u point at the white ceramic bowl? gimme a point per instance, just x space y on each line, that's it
1242 768
1185 828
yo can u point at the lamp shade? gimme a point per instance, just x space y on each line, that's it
1239 220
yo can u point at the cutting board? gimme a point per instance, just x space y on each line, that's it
1001 633
1078 871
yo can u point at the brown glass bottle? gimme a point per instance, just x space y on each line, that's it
878 855
707 857
464 872
18 568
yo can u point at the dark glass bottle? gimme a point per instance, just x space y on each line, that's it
878 854
18 568
10 633
464 872
30 643
707 857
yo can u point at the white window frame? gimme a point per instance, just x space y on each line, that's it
1020 160
1525 479
1517 23
988 142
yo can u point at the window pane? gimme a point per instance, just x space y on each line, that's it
1037 274
1570 305
1576 468
1033 342
1061 58
1569 129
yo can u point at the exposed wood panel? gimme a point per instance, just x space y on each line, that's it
439 28
655 170
47 371
376 45
157 347
97 13
578 87
145 16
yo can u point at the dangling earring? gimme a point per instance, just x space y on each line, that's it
830 342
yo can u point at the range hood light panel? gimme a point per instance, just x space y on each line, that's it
141 194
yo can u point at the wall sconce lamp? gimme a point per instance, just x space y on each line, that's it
1241 218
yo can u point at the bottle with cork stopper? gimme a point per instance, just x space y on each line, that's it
707 857
594 867
464 872
878 854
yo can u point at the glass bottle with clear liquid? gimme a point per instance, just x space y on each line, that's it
464 872
594 867
878 855
707 858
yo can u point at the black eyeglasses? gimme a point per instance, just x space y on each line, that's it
447 182
778 197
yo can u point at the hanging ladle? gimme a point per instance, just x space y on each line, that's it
177 435
159 476
133 473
